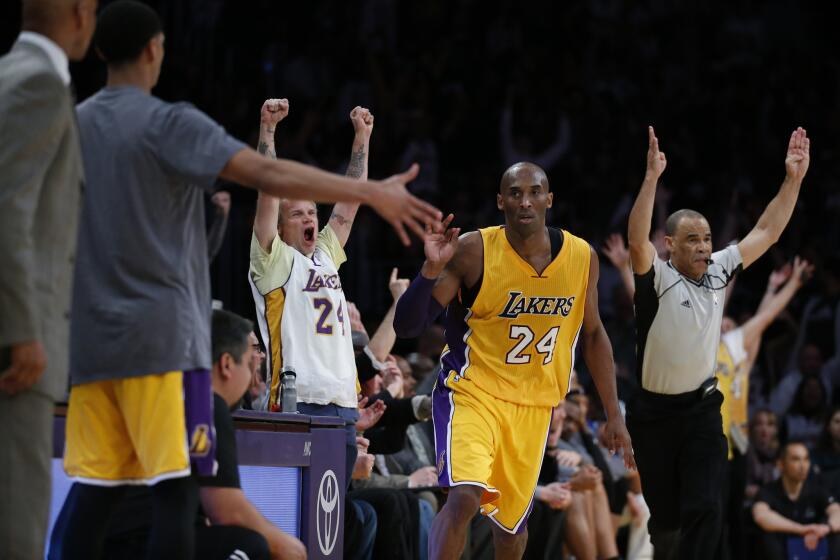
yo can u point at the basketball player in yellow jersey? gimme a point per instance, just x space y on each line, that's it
519 297
736 354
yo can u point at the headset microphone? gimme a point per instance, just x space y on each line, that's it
709 261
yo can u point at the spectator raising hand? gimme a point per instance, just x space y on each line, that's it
398 286
384 338
392 378
616 251
369 415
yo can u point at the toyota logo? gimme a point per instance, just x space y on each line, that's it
327 516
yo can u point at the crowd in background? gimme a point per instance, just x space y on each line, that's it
465 89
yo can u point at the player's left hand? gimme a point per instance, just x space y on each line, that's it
798 154
362 120
618 438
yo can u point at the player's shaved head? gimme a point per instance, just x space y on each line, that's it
125 28
673 221
523 173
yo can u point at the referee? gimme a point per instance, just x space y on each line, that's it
675 422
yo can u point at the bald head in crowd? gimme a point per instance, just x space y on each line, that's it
69 23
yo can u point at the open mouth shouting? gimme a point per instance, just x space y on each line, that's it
309 234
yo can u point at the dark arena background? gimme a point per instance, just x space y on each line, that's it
723 83
466 88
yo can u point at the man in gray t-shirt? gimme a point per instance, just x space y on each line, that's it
675 422
142 235
140 406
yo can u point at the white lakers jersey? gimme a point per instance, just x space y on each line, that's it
302 314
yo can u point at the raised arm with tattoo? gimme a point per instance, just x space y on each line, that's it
268 206
642 251
776 216
344 213
284 178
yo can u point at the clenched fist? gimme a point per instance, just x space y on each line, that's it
273 111
362 120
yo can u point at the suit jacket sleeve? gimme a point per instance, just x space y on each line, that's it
398 412
385 439
32 121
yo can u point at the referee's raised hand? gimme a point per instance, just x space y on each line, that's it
656 161
798 154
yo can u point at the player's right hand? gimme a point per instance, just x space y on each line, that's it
656 161
27 363
273 111
400 208
440 243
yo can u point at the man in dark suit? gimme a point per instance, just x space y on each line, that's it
40 197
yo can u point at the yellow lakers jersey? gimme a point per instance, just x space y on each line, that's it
733 382
516 340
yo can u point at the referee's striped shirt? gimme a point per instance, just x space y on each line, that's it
678 323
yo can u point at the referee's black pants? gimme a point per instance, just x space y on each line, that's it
680 451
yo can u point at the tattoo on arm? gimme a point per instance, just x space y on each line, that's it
263 148
341 220
357 163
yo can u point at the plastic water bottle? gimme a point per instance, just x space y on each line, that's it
288 390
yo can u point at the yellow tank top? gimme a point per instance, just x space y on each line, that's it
733 382
516 341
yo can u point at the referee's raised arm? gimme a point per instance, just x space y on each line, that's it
776 216
642 250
